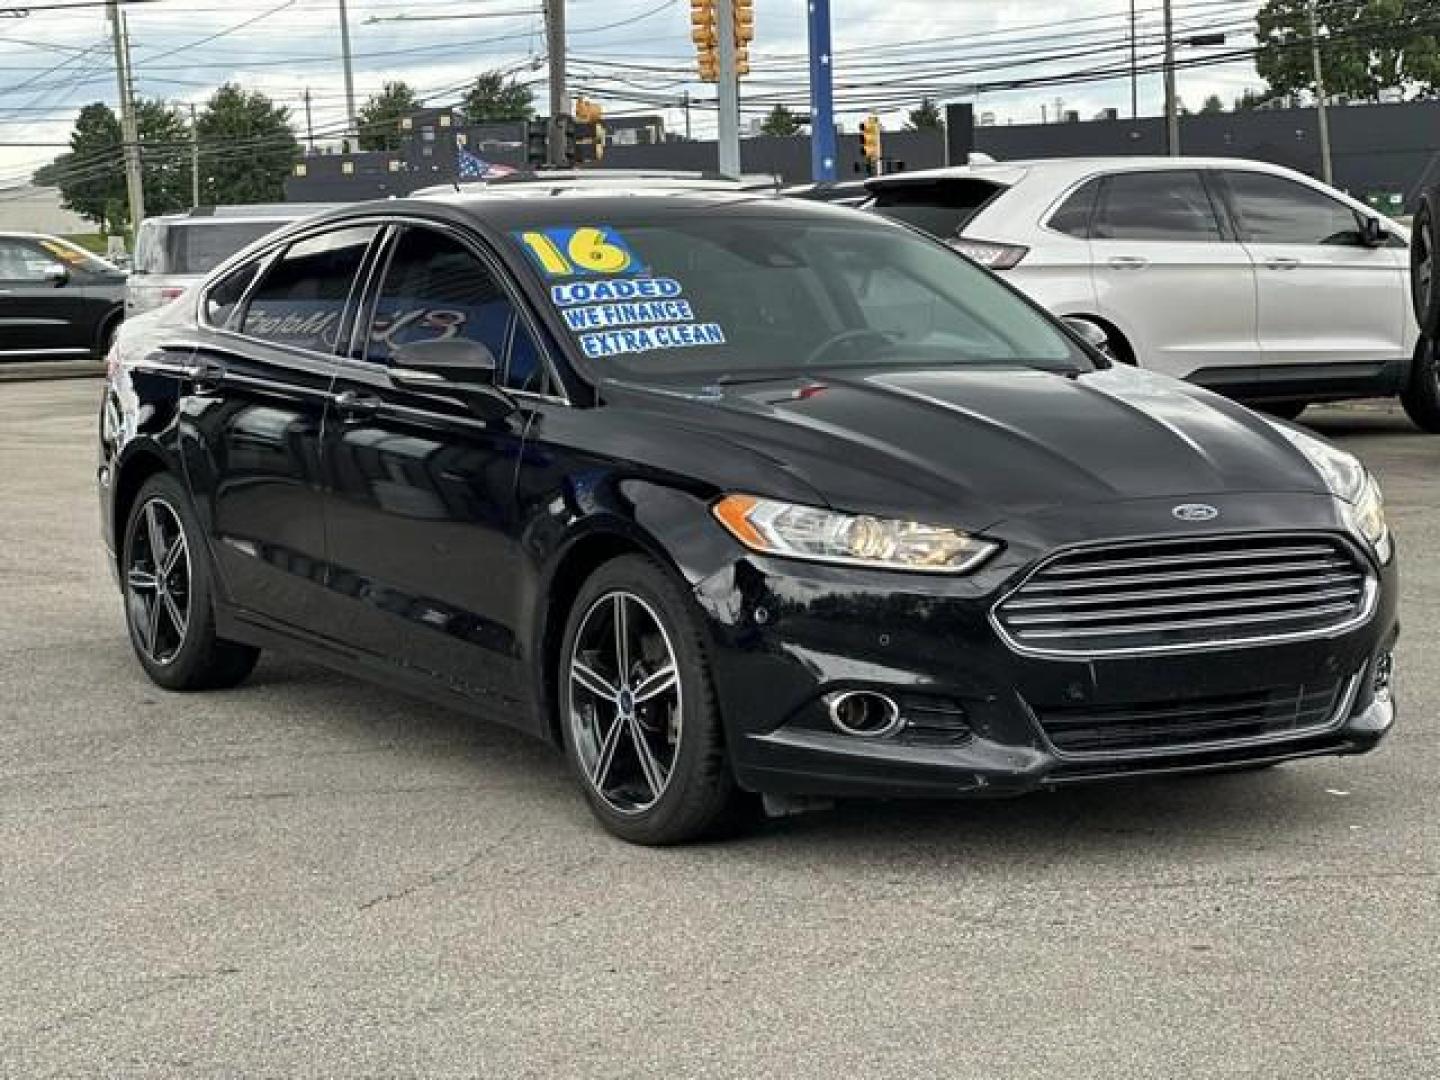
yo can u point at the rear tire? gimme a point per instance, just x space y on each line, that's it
1421 398
647 747
168 586
1424 269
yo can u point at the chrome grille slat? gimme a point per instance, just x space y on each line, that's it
1190 624
1043 603
1189 560
1228 604
1168 595
1040 584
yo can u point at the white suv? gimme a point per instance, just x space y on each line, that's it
1238 275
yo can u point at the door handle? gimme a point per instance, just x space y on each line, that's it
1282 262
353 405
206 377
1128 262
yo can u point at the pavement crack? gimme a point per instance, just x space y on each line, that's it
437 877
170 984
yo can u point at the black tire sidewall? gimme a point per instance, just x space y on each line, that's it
1427 225
1422 397
190 668
701 787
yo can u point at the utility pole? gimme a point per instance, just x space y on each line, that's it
349 70
555 50
194 160
822 95
687 115
1172 105
1134 68
1326 171
129 130
309 125
729 88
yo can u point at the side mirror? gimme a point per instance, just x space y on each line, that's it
453 367
1090 333
56 274
1373 233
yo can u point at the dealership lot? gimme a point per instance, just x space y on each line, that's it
311 877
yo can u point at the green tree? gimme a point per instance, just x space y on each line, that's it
247 148
379 118
1212 105
91 177
1367 47
1251 99
781 121
494 97
926 117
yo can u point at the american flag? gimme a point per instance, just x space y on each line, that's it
474 167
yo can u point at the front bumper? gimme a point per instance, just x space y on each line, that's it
787 633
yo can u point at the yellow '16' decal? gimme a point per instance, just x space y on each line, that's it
586 250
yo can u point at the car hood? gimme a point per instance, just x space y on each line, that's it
986 444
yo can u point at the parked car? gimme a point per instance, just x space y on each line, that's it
730 495
57 300
174 251
1244 277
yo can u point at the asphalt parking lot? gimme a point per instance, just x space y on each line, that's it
309 877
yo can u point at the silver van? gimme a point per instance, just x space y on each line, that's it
174 251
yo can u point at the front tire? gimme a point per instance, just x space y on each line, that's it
1421 398
638 710
169 595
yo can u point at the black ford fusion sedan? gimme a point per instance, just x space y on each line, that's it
732 495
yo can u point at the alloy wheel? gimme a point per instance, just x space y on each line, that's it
1423 271
625 705
157 581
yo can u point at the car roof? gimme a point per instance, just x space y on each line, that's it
202 215
567 206
1011 172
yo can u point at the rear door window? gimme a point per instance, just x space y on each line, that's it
301 301
1163 205
941 207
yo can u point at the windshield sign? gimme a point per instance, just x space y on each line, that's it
697 296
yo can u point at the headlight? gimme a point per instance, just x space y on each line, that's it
1351 483
808 532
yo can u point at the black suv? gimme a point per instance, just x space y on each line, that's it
57 300
732 494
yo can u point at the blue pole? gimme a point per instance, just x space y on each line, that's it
822 94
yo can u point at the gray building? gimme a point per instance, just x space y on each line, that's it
1387 154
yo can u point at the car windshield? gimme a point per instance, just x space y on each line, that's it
684 296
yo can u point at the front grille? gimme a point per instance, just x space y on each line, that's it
1165 595
1257 716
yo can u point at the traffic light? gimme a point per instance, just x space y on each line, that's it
703 34
870 141
589 131
537 142
744 34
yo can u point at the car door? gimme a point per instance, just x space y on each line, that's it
420 515
1170 273
262 371
1324 296
43 312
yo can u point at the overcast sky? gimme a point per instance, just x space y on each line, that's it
52 62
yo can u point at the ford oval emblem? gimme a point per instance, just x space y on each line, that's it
1195 512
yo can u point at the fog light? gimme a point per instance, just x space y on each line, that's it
1382 676
863 713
